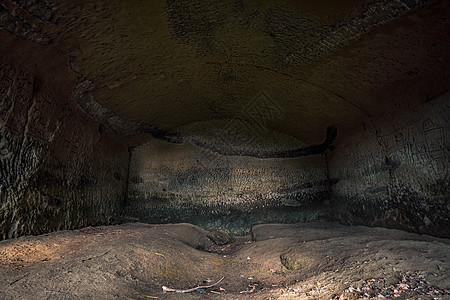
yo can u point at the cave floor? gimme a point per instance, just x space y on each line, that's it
278 261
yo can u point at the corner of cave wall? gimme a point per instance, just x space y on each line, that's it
182 183
58 168
395 173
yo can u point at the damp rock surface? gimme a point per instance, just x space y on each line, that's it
220 238
134 261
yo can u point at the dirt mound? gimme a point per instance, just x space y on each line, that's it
279 261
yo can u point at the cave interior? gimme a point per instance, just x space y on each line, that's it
224 125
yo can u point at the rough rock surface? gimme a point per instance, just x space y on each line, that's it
59 169
134 261
395 173
82 81
173 183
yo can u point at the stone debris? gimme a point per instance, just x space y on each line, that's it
292 262
220 238
410 285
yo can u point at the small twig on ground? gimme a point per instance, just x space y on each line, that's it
91 258
253 287
20 278
159 254
166 289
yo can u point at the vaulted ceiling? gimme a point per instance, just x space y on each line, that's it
290 67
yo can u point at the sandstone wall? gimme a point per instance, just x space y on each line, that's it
58 168
183 183
395 173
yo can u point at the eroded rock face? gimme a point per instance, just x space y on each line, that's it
58 168
396 172
182 183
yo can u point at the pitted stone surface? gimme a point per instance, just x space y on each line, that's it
58 170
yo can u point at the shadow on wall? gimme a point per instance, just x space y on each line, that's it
58 170
396 173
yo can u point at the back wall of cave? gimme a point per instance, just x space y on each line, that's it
183 183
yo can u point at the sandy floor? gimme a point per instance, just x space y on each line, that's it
298 261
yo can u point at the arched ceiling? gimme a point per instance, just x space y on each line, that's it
293 67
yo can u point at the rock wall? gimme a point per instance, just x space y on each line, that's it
59 169
395 173
183 183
